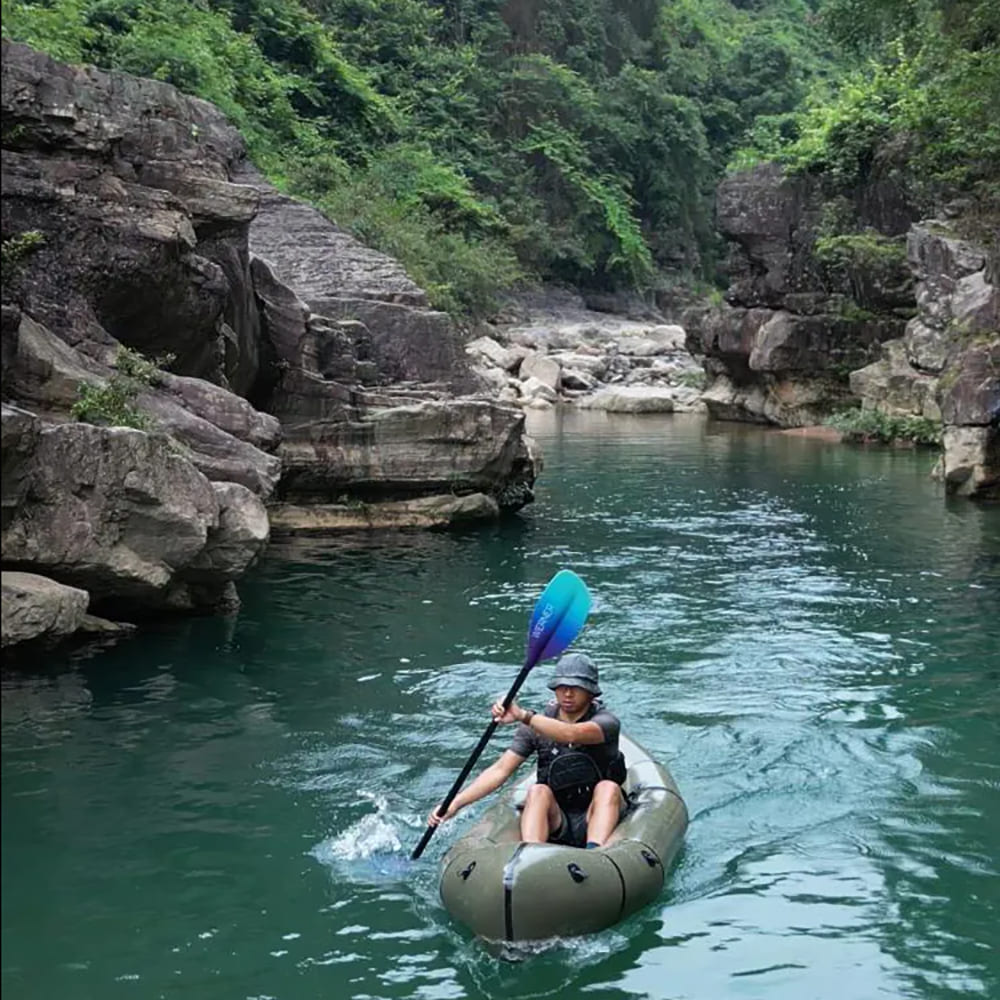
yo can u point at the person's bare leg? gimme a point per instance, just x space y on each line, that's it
604 812
540 816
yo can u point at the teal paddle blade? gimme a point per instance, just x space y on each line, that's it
558 617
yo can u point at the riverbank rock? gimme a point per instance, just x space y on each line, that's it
127 234
376 395
408 451
121 514
630 399
35 607
946 366
136 229
422 512
793 326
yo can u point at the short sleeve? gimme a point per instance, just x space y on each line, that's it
523 743
609 724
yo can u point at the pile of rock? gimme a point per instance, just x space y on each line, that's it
590 360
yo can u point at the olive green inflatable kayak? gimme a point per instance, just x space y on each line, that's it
505 890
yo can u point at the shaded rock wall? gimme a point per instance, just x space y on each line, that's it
781 347
798 338
140 205
946 366
145 235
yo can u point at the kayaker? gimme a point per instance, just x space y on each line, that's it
577 799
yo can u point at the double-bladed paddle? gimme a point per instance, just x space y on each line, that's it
556 621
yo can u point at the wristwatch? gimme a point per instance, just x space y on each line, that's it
527 717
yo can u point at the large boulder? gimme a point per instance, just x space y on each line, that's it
121 514
631 399
35 607
970 463
893 386
465 445
234 544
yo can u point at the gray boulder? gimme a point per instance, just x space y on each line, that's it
121 514
35 607
236 542
631 399
469 445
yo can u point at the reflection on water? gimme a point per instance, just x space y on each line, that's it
806 634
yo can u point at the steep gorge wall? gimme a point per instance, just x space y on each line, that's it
781 347
128 222
910 326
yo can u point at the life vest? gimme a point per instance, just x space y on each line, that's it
572 772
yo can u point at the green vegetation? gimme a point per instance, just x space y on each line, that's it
16 249
866 264
692 380
579 141
874 425
920 102
481 143
113 403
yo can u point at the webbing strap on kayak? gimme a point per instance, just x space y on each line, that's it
508 892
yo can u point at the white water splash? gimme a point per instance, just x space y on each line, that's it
373 836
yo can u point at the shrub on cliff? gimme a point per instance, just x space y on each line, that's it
15 251
113 403
874 425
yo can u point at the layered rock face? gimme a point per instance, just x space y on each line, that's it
799 338
781 349
376 397
946 366
127 214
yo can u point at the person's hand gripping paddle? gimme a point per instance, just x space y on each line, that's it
555 623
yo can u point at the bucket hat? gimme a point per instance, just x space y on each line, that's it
576 670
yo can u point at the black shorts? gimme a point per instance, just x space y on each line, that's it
572 830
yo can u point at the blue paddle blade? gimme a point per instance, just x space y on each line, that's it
558 617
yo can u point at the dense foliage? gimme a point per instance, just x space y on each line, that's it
482 141
920 102
867 426
576 140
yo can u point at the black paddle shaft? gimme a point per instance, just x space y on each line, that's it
471 762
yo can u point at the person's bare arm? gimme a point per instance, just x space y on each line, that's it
486 782
553 729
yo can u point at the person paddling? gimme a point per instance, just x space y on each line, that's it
577 798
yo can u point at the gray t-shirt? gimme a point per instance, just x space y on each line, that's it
526 741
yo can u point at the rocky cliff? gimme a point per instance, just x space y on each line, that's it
901 317
302 366
780 348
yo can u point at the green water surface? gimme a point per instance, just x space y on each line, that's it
807 635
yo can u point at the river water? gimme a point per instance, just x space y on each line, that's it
807 635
